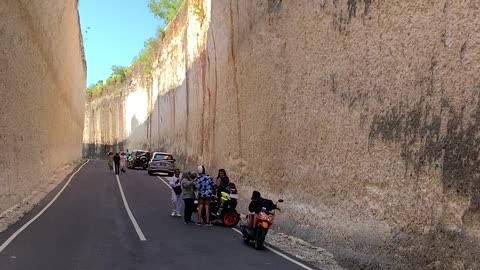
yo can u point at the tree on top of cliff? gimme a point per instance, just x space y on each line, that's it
119 75
165 10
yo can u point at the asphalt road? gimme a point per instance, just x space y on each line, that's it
88 227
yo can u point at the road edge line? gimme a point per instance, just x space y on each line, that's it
19 231
129 212
280 254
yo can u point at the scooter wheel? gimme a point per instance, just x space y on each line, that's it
231 219
260 238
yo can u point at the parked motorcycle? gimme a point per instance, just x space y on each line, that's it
262 221
223 210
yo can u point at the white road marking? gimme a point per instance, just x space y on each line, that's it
165 182
281 254
19 231
129 212
267 247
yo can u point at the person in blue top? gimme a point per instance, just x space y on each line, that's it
204 185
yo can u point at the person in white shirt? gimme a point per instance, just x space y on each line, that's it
175 183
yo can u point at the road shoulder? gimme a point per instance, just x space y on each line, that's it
15 215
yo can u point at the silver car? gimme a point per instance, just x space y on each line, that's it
161 162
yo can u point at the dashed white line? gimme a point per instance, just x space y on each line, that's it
19 231
129 212
267 247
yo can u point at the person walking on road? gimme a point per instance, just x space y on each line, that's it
188 195
116 161
127 155
176 193
123 162
110 161
204 185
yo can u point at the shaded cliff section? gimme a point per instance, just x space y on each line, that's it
361 114
42 91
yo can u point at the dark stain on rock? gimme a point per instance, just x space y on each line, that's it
431 77
443 39
359 99
352 6
274 5
417 130
368 4
446 6
363 120
352 9
333 86
463 50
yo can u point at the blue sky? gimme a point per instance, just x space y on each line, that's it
113 32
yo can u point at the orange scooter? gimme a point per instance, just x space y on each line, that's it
262 221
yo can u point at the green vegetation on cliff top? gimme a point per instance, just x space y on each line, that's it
165 11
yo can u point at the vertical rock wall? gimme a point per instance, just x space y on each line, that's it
361 114
42 94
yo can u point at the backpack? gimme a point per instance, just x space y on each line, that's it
268 204
177 189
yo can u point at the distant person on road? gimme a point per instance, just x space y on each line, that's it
204 185
222 183
127 155
188 195
116 160
123 162
175 183
110 161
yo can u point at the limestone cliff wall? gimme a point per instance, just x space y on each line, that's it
42 94
361 114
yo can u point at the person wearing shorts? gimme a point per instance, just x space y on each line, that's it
204 185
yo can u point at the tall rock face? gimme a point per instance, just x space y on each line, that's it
42 94
361 114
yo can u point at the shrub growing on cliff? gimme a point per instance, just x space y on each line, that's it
165 10
199 12
96 89
120 74
145 57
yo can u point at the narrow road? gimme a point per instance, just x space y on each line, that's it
88 227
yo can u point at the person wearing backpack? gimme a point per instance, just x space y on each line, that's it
176 193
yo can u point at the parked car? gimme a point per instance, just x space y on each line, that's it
139 158
161 162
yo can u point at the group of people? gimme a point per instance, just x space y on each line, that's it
118 162
188 187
